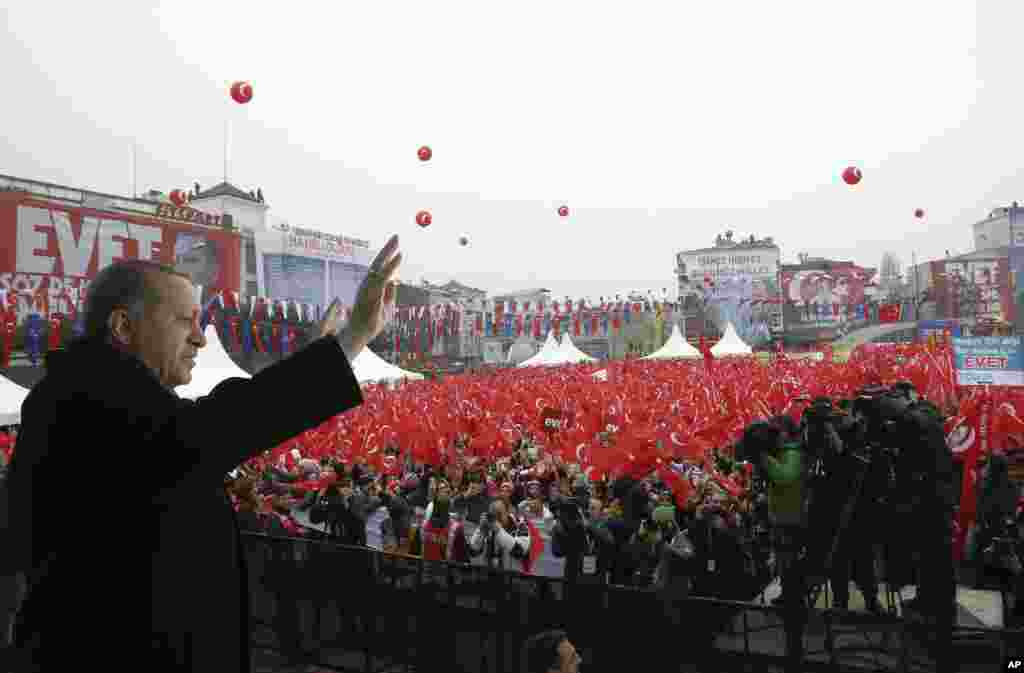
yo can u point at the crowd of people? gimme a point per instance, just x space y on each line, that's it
534 513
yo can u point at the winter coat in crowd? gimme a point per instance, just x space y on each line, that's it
345 517
472 507
785 493
587 547
495 545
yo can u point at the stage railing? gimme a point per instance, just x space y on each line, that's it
359 609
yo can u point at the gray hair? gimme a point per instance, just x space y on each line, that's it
123 285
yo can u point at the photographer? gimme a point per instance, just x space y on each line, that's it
504 542
580 540
394 529
338 509
629 507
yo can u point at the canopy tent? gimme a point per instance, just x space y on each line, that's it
11 397
521 351
213 365
675 347
730 344
370 368
548 355
571 353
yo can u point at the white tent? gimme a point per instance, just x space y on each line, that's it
549 354
675 347
730 344
521 351
11 397
571 353
213 365
370 368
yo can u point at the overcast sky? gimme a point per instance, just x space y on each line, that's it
660 124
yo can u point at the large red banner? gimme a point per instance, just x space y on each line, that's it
50 251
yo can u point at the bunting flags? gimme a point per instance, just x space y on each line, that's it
247 332
55 331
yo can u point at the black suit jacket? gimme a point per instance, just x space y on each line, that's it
162 585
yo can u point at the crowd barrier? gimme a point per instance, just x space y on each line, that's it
360 609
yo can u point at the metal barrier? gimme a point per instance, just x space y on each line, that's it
358 609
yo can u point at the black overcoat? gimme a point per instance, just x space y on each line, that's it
157 580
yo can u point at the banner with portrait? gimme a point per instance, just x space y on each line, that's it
50 250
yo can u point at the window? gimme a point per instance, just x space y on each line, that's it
250 256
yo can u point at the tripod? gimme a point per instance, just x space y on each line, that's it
818 564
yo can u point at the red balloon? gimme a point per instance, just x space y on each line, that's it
241 92
852 175
178 197
563 211
425 153
463 241
423 218
918 213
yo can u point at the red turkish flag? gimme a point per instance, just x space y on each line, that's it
235 336
55 335
257 337
979 417
536 326
479 325
275 337
519 325
576 326
593 324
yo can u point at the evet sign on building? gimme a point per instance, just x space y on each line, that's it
983 361
51 250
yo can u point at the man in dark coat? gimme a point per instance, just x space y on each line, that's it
162 587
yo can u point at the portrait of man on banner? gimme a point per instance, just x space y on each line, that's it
199 256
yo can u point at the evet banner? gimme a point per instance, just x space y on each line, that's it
50 251
985 361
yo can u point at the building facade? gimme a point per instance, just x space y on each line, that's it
995 230
738 276
825 298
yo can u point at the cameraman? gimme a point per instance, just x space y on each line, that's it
855 547
774 446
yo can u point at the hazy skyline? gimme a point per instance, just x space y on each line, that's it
659 126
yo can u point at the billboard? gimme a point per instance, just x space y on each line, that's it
310 267
1015 269
833 295
50 250
944 330
760 265
988 361
973 289
739 285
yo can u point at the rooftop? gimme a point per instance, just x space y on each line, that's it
225 189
